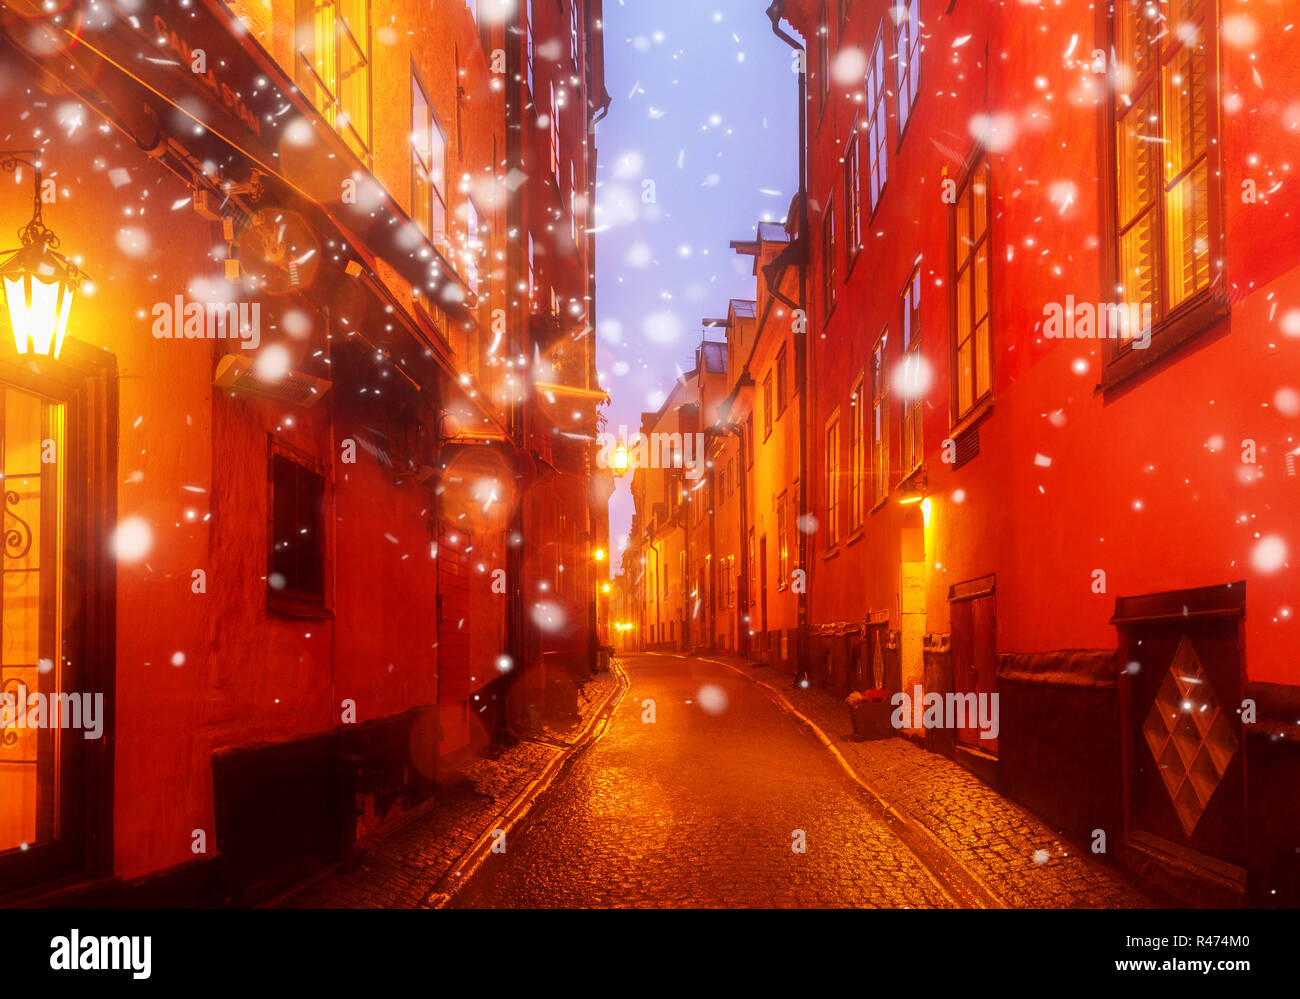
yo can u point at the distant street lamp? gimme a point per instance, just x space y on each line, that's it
39 282
619 460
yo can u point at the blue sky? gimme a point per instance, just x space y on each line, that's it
699 146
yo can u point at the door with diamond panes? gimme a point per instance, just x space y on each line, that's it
1182 666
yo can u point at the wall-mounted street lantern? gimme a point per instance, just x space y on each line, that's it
39 282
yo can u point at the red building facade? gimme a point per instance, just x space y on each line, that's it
1098 530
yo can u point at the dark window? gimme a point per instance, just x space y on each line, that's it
782 385
297 562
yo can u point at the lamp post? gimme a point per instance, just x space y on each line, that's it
39 282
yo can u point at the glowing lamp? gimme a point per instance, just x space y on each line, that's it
39 282
619 459
599 554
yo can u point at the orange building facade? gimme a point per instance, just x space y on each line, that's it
288 549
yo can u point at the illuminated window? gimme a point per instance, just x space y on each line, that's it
333 66
823 59
973 366
1166 185
908 65
877 149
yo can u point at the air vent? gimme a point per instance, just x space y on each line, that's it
967 446
235 372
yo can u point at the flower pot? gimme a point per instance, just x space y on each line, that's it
871 720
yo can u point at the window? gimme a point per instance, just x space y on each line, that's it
912 374
573 31
1166 179
530 47
971 264
749 441
532 276
828 257
555 138
782 546
782 383
428 167
767 406
857 457
474 244
877 147
908 67
852 199
880 420
823 59
833 479
296 573
333 67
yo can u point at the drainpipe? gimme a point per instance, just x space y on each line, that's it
775 13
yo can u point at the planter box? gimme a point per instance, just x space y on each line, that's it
871 720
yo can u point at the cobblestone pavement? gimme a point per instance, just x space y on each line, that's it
406 866
702 807
1025 862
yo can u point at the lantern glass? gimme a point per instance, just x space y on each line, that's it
620 459
38 313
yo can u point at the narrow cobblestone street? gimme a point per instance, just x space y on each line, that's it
704 805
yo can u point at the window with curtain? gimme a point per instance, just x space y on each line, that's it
1166 191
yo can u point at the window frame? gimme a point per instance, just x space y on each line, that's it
909 352
437 197
857 456
782 542
310 81
1172 328
830 273
832 476
294 603
906 69
881 422
853 196
978 160
767 406
874 96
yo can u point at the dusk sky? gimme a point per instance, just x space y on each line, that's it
704 107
